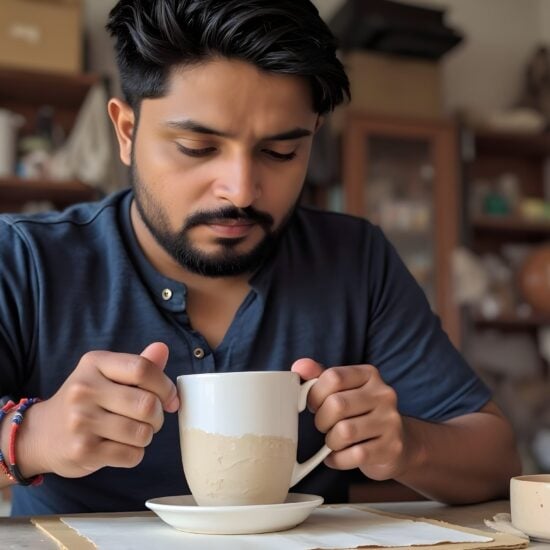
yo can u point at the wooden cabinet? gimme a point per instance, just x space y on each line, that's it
404 176
24 92
489 158
494 156
507 216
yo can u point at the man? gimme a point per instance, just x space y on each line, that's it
207 264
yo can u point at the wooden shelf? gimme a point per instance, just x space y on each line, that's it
25 92
516 144
513 321
409 235
17 190
510 224
44 88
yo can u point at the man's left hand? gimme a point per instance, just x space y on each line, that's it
358 412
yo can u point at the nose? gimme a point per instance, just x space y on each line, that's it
240 183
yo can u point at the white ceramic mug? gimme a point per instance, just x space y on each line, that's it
239 435
530 505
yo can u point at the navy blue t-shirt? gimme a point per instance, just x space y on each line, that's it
334 290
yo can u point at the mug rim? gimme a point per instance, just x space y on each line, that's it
239 373
533 478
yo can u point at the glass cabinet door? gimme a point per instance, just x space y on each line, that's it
403 176
399 198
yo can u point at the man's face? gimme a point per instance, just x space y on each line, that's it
218 163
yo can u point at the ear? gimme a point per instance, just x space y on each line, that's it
123 119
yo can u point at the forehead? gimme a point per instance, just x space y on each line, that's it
234 96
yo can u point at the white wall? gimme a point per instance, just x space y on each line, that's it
327 7
544 18
100 51
485 72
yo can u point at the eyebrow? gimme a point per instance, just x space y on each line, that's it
193 126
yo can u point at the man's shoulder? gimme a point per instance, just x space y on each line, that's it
331 219
93 216
330 242
329 227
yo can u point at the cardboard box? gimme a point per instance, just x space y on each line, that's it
394 85
43 35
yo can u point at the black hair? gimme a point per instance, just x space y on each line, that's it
278 36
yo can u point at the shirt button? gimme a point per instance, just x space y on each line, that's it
198 353
166 294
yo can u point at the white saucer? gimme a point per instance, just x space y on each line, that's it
183 513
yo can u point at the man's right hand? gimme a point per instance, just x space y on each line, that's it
105 414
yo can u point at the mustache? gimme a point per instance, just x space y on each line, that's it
229 213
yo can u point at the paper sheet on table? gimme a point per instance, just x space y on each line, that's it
334 528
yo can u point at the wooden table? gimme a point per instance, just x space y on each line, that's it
19 533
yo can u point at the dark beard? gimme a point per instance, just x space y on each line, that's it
227 262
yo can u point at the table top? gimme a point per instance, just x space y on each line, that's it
19 533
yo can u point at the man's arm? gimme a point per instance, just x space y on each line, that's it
469 458
466 459
105 414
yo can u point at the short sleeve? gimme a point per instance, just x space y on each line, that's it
17 310
406 343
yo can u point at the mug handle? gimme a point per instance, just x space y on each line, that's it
301 470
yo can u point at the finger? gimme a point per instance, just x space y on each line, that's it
158 354
340 406
121 429
337 379
350 458
133 403
352 431
307 368
119 455
134 370
377 458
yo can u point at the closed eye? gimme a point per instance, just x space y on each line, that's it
195 152
204 151
279 156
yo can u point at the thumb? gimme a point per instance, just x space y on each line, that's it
157 353
307 368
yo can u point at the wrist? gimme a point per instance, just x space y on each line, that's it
6 412
28 445
416 449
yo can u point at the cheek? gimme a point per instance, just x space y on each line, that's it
281 189
152 155
153 166
167 174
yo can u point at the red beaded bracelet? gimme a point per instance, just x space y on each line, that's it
3 466
17 419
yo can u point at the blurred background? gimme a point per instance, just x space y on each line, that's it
444 145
